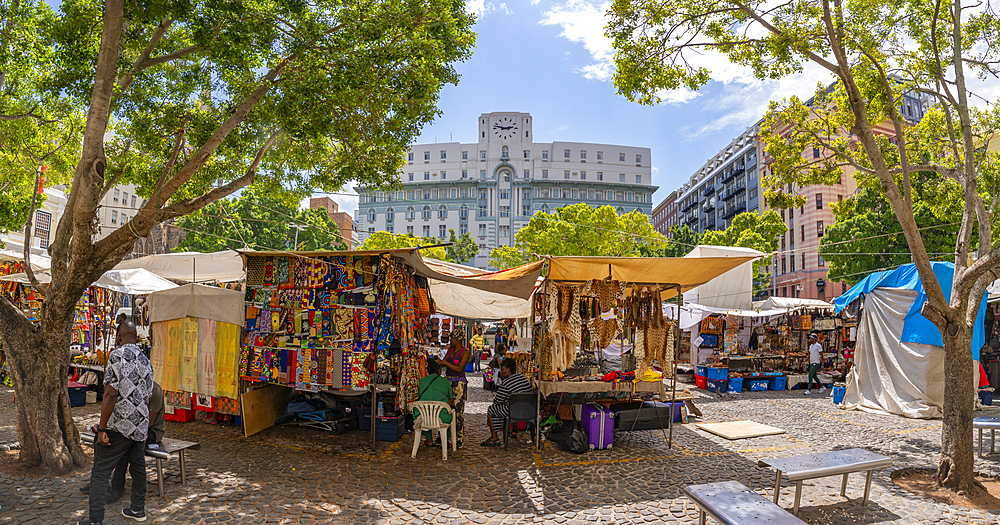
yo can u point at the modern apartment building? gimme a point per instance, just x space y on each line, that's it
492 187
727 185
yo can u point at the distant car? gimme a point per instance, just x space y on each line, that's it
491 329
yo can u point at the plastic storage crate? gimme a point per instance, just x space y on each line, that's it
735 385
840 391
389 428
778 383
718 385
700 381
718 373
77 394
180 415
701 371
758 385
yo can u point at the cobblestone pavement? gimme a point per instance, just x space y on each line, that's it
294 475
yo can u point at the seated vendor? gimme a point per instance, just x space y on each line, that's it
494 364
433 387
496 414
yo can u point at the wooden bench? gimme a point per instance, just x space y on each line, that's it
732 503
991 423
166 449
811 466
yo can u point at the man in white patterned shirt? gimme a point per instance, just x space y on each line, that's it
128 385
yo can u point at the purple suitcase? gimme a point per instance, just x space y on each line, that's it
599 425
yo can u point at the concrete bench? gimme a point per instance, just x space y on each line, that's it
167 448
811 466
732 503
991 423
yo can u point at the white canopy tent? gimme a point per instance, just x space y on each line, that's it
39 263
189 267
994 291
134 282
733 289
787 304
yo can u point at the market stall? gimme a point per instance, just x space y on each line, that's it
587 304
348 323
899 358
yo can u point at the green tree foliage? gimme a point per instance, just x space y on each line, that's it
392 241
878 51
866 237
462 250
579 229
759 231
259 220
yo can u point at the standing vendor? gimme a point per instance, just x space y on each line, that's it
511 334
478 344
454 361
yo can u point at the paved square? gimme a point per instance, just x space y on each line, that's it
293 475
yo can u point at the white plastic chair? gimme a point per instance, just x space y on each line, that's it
430 419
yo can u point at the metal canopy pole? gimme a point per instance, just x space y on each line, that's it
673 372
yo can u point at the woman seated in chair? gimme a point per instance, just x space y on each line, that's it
496 414
433 387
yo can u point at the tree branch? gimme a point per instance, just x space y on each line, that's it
126 80
27 236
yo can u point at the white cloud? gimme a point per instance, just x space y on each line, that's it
582 22
482 8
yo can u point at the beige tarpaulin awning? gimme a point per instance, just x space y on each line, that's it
459 300
197 300
684 272
188 267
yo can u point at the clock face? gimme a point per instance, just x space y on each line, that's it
505 128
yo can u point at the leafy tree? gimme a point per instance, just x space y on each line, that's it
877 51
462 250
682 240
393 241
579 229
866 237
261 221
759 231
202 99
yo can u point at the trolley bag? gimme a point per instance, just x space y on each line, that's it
599 423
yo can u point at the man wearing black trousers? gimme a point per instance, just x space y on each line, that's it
122 431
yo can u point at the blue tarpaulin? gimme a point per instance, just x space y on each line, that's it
916 327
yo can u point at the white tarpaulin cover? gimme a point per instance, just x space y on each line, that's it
994 291
733 289
38 262
458 300
188 267
890 376
792 303
197 300
135 282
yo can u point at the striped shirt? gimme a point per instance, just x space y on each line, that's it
513 384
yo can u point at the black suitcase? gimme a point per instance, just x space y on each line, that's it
650 415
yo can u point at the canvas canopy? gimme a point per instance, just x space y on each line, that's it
38 262
188 267
458 300
733 289
792 303
684 272
134 282
196 300
994 291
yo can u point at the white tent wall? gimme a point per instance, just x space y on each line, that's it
197 300
888 376
733 289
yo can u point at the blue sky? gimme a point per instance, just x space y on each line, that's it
551 59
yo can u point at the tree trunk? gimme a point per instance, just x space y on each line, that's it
39 363
955 469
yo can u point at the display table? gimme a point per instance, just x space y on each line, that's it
548 388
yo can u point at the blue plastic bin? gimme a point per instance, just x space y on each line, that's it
469 367
718 373
389 428
986 396
839 392
758 385
717 385
778 383
701 371
735 385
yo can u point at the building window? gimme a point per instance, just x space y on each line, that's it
390 229
791 262
566 174
840 198
600 155
506 176
481 212
599 195
463 229
442 212
545 193
124 199
590 194
600 175
427 155
114 215
116 194
409 156
638 158
504 211
545 174
819 201
465 174
505 152
527 153
820 261
527 174
463 212
753 193
505 194
583 154
819 228
621 177
427 194
425 213
565 153
504 230
410 213
444 175
628 196
444 155
465 155
43 223
482 154
409 195
390 214
565 194
482 195
442 232
545 208
620 196
465 193
621 157
410 175
545 154
783 269
454 193
525 210
583 175
482 230
482 174
133 201
409 230
802 228
815 153
574 194
427 230
427 175
638 179
371 215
